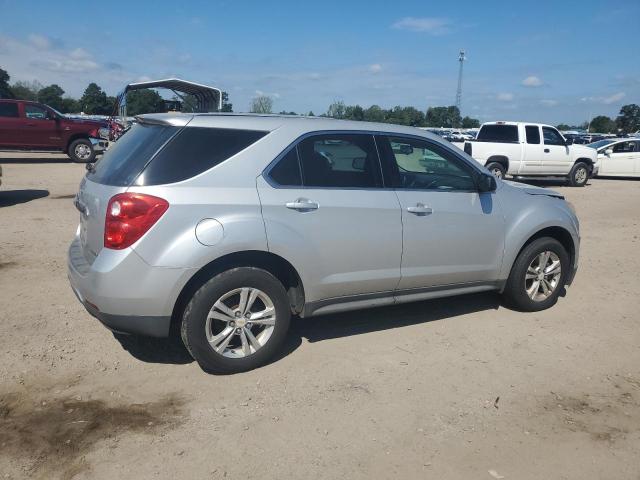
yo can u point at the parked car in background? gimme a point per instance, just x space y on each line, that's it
29 125
530 149
225 226
618 157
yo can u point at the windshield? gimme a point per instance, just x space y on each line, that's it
600 143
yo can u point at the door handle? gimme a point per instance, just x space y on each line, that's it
302 205
420 209
546 150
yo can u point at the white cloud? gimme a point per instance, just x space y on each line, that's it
39 41
432 25
505 97
532 81
375 68
616 97
79 54
549 103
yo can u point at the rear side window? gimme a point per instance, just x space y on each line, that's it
127 157
287 171
8 109
340 161
533 134
195 150
498 133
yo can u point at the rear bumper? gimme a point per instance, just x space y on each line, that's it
126 294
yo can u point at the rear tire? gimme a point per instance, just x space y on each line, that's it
81 151
222 326
579 175
532 285
497 169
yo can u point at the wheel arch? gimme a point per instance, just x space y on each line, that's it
588 161
501 159
272 263
558 233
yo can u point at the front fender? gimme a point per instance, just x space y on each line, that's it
529 215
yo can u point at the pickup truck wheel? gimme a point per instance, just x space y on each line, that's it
537 276
81 151
579 175
237 321
497 169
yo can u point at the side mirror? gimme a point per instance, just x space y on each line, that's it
608 151
568 141
52 116
486 183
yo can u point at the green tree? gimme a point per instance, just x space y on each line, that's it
52 96
602 124
26 90
70 105
337 110
447 117
354 112
144 101
468 122
5 89
563 126
95 102
374 114
226 105
629 119
262 104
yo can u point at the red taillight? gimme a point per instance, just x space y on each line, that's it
129 216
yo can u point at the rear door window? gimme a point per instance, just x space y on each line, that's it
195 150
287 171
8 109
498 133
340 161
533 134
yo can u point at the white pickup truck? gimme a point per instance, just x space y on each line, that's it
529 150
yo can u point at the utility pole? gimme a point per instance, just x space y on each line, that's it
461 59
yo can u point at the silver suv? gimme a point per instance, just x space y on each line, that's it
224 226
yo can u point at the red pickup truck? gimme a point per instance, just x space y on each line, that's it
34 126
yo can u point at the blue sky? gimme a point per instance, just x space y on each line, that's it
535 61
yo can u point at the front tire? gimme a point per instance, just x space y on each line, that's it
237 321
537 276
81 151
579 175
497 169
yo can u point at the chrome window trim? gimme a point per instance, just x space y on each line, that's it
267 170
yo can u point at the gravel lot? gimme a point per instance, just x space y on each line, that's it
453 389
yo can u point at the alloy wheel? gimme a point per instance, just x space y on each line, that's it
82 151
240 322
581 175
543 276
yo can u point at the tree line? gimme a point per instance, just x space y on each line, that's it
627 121
447 117
94 101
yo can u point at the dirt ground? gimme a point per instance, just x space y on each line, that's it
458 388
